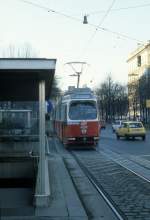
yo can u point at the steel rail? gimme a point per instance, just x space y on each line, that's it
136 173
90 177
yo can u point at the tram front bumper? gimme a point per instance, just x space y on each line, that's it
83 139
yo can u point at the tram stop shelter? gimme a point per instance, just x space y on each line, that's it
31 80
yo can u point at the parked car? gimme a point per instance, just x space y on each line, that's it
116 124
103 124
131 129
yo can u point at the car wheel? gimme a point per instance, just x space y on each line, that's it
143 138
118 137
95 143
127 138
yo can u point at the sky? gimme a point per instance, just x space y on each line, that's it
61 34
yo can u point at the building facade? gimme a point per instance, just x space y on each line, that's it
139 64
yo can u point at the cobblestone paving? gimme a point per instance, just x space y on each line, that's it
143 161
130 193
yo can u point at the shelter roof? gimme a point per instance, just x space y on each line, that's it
19 78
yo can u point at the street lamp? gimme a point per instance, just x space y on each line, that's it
85 21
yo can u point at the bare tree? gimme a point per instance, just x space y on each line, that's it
23 51
112 99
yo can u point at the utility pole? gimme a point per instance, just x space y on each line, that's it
78 79
109 98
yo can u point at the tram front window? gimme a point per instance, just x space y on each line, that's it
82 111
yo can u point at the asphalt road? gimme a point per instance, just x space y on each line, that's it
125 147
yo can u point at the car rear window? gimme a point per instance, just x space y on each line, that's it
117 123
135 125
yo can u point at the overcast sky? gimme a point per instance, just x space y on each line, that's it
53 35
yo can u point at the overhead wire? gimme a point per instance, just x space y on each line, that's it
99 25
118 34
107 12
119 9
100 28
49 9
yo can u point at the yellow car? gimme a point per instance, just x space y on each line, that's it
131 129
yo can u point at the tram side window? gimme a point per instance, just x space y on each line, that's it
63 113
57 114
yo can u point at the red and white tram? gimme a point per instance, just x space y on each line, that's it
76 117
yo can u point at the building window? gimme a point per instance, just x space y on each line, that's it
148 59
138 60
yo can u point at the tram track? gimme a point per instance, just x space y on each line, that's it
126 193
99 189
90 196
143 165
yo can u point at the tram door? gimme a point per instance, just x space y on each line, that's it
64 120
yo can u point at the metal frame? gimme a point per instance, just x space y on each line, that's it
42 137
34 75
42 186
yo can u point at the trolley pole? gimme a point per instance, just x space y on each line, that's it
74 68
78 79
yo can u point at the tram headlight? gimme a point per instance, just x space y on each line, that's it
71 139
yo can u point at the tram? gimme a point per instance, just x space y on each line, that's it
76 119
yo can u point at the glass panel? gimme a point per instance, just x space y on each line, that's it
117 123
135 125
82 110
